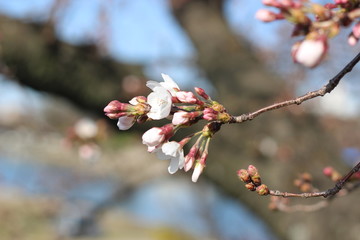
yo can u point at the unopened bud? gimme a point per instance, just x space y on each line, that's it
250 186
244 175
201 92
306 187
332 173
186 97
262 190
252 170
306 177
328 171
265 15
352 40
310 51
256 179
116 109
209 114
199 168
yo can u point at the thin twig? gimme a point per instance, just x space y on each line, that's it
310 95
328 193
277 193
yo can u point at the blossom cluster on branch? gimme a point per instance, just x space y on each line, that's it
184 108
316 22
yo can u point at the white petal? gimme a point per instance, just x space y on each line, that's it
174 165
180 118
133 101
160 102
171 148
152 149
197 172
169 84
181 159
152 84
153 137
125 122
310 52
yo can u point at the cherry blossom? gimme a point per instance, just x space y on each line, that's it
169 84
174 152
180 117
153 137
126 122
160 102
309 52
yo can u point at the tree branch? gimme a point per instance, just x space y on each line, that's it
310 95
328 193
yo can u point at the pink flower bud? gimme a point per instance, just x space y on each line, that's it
252 170
186 97
265 15
309 52
199 166
262 190
352 41
244 175
210 114
201 92
116 109
256 179
250 186
328 171
191 157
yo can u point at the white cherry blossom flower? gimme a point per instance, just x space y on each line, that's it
125 122
309 52
169 84
180 117
153 137
174 152
160 102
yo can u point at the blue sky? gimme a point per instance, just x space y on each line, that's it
140 31
145 32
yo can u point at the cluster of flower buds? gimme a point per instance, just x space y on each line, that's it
304 182
252 180
335 176
184 108
316 22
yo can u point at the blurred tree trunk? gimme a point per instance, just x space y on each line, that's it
244 85
33 55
